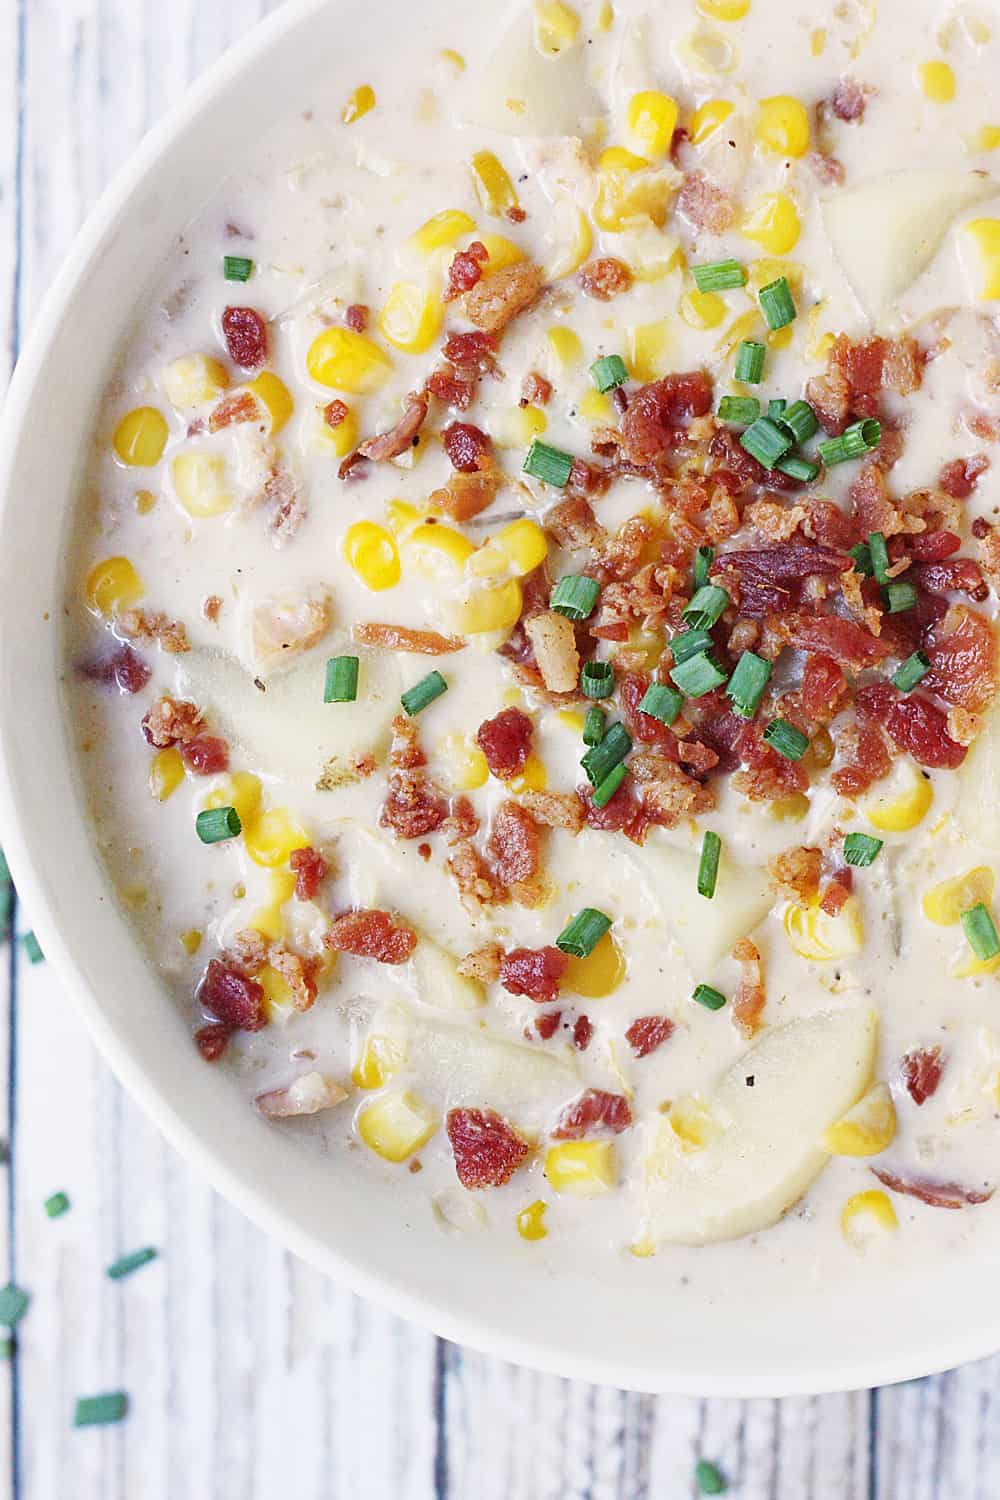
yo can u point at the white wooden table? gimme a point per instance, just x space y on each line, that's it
249 1375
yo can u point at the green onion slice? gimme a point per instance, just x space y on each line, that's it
750 362
801 421
602 759
879 554
709 998
550 465
776 406
862 555
216 824
861 849
707 607
743 410
980 931
912 670
708 864
597 679
237 267
703 559
341 680
690 643
766 442
416 698
13 1305
33 948
858 439
594 726
604 793
899 597
609 372
786 739
709 1478
123 1267
747 684
56 1205
697 675
797 467
719 275
581 936
661 702
98 1411
777 303
575 596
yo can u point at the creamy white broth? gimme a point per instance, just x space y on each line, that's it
326 211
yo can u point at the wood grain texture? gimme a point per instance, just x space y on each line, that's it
250 1375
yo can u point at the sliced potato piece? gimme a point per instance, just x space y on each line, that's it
438 981
523 91
977 811
706 930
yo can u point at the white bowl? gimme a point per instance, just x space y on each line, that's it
632 1328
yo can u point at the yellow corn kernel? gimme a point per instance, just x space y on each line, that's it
987 138
190 941
269 919
573 238
605 16
650 122
396 1125
782 126
711 116
454 59
343 438
501 252
166 773
278 999
945 903
557 26
532 776
780 338
194 380
141 437
583 1168
402 517
767 268
618 159
113 585
240 789
145 501
523 543
431 547
650 253
746 326
516 426
442 229
600 973
273 836
565 346
813 934
817 41
358 104
628 191
702 309
274 395
773 222
722 10
866 1214
937 81
344 360
373 554
986 234
485 610
467 768
650 642
789 809
380 1058
867 1129
531 1221
904 803
971 967
411 318
647 349
693 1123
571 719
595 406
707 52
200 482
493 186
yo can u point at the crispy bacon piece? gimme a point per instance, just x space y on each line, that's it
842 640
402 638
546 1026
822 689
450 389
171 721
240 406
750 998
963 655
667 794
704 204
771 578
465 495
124 667
466 270
647 1033
506 741
413 806
356 317
153 625
245 333
573 525
535 390
487 1149
583 1033
921 730
594 1110
828 169
405 751
658 409
500 297
514 844
959 477
931 546
855 375
298 972
555 810
475 880
921 1072
960 574
311 869
372 934
233 998
472 353
934 1194
837 890
205 755
849 100
400 437
212 1040
605 278
535 972
307 1095
467 447
483 963
796 873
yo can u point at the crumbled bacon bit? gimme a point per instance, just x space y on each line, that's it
514 844
828 169
605 278
963 653
959 477
466 270
934 1194
535 390
648 1033
931 546
233 998
467 447
245 333
502 295
211 607
546 1026
311 869
298 972
658 409
465 495
921 1072
669 796
704 204
153 625
205 755
212 1040
372 934
506 740
750 998
771 578
476 882
240 406
583 1033
573 525
413 806
849 100
837 891
842 640
796 873
124 667
487 1149
335 412
594 1110
171 721
400 437
921 730
472 352
483 964
402 638
356 317
450 389
555 810
308 1095
535 972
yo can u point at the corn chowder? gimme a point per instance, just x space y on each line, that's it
531 641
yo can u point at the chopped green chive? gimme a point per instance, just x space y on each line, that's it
594 726
707 607
416 698
860 849
99 1411
786 739
750 362
912 670
980 931
709 1479
550 465
801 421
216 824
708 864
604 793
719 275
746 686
661 702
575 596
583 934
899 597
862 555
123 1267
709 998
698 675
879 553
597 679
741 409
57 1205
690 643
33 948
858 439
777 303
341 680
703 559
13 1305
602 759
797 467
766 442
609 372
776 407
237 267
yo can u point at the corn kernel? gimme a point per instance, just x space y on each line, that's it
273 836
344 360
523 543
565 346
722 10
442 229
650 642
380 1058
411 318
145 501
937 81
618 159
866 1213
275 397
531 1221
707 52
605 16
141 437
867 1129
650 122
396 1125
373 554
944 904
702 309
493 186
501 252
780 338
813 933
647 349
467 766
240 789
200 483
773 222
817 41
402 517
278 999
650 253
454 59
358 104
556 26
113 585
432 548
693 1123
516 426
583 1168
595 406
789 809
711 116
987 138
269 919
194 380
600 973
166 773
343 438
971 967
532 776
782 126
746 326
573 238
986 234
190 941
905 802
628 191
485 610
571 719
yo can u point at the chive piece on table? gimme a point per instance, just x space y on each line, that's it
594 726
707 607
719 275
13 1305
980 931
899 597
33 948
708 864
341 680
98 1411
581 936
550 465
703 559
777 303
854 442
709 1479
711 999
742 409
602 759
237 267
746 686
126 1264
697 675
608 373
912 670
575 596
801 421
604 793
776 406
862 556
879 553
661 702
216 824
750 362
597 679
861 849
797 467
766 442
786 739
416 698
56 1205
